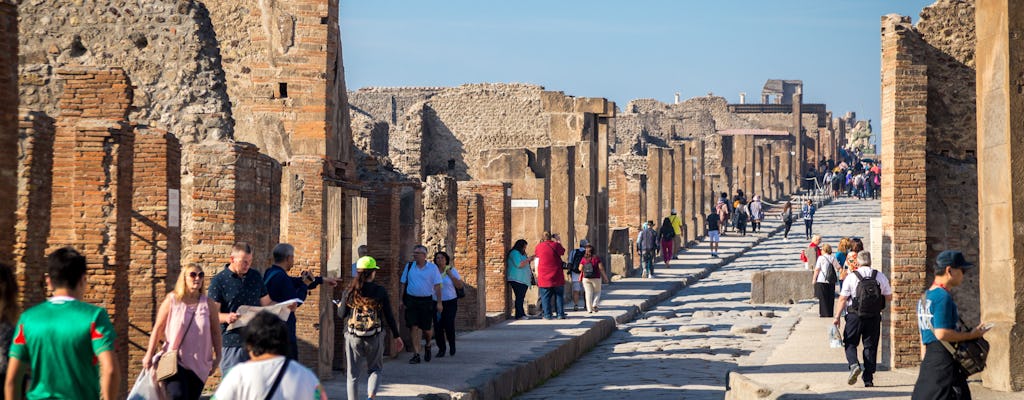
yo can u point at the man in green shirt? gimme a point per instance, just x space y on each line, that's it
62 340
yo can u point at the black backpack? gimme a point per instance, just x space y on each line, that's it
574 261
868 301
830 274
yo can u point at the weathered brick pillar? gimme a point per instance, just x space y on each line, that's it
760 172
497 231
440 202
234 197
562 194
655 168
156 234
469 259
584 203
799 142
749 156
688 211
8 126
92 197
1000 64
668 184
306 228
34 199
904 109
680 187
701 191
786 174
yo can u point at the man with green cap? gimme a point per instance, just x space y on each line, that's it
365 306
941 376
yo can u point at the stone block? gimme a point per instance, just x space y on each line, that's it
780 287
593 105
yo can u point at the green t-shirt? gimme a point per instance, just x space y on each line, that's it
60 339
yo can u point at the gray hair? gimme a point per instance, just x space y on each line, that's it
282 251
420 247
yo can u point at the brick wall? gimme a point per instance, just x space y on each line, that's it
440 202
904 191
92 180
156 237
469 259
497 233
34 199
8 126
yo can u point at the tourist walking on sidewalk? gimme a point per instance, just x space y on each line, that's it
593 275
940 375
677 226
451 282
812 252
666 233
519 275
550 277
863 297
421 300
712 225
269 374
722 208
807 213
574 274
841 253
647 248
185 323
62 340
740 218
756 208
825 277
365 308
281 287
787 218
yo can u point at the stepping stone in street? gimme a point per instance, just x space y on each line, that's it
695 328
663 314
706 314
742 329
646 329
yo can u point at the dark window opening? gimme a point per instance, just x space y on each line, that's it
282 90
324 20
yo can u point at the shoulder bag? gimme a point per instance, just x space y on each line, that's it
971 354
167 364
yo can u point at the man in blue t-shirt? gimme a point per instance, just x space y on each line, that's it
941 376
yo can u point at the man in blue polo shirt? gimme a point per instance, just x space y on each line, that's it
941 376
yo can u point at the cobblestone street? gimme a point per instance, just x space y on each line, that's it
683 348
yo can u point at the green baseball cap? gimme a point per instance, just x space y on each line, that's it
366 262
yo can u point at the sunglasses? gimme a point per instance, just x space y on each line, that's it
195 275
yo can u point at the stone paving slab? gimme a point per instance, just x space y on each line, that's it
514 356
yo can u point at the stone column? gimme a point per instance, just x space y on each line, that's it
786 169
1000 64
798 134
759 172
689 210
655 167
92 197
603 134
563 194
904 124
749 155
156 233
680 184
704 200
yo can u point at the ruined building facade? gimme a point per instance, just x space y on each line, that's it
949 119
170 133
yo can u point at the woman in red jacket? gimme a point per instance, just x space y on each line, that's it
550 277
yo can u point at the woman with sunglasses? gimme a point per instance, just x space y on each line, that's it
186 324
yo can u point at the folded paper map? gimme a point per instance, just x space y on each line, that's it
245 313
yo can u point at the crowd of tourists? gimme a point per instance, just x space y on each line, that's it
864 291
860 178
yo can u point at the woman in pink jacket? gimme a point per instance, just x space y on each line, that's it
550 276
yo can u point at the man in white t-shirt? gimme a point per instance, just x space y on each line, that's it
863 318
268 371
421 300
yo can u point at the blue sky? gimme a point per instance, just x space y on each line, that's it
626 50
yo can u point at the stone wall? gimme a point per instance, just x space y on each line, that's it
937 55
8 126
168 49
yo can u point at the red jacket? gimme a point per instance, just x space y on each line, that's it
549 264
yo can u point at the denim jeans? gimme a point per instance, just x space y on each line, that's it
547 294
647 262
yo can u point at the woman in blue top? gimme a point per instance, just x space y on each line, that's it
941 376
807 212
519 275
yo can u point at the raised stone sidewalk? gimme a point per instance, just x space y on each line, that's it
515 356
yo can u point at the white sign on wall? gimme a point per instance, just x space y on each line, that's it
173 208
524 203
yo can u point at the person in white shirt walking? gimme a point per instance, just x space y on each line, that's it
864 294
